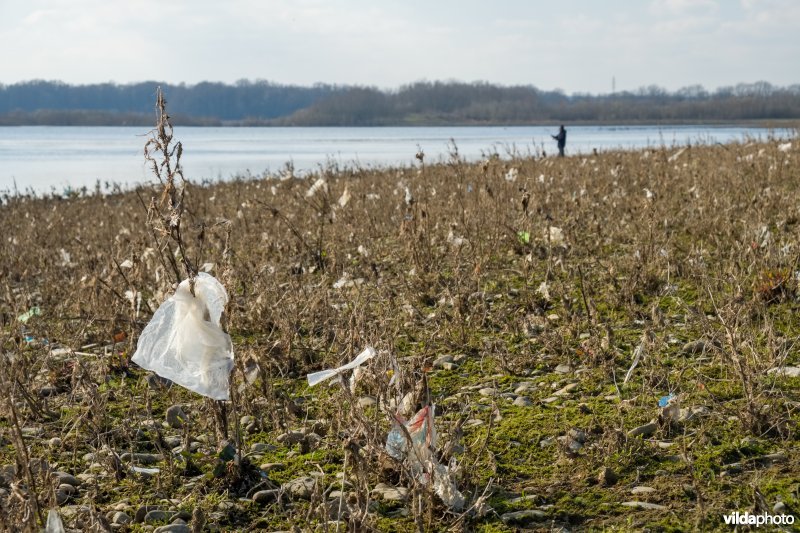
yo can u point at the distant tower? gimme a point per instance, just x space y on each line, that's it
613 84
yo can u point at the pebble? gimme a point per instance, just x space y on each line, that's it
551 399
524 387
695 347
569 389
142 511
55 442
64 478
522 401
641 489
547 441
779 508
644 505
262 447
786 371
268 467
645 430
63 493
441 361
121 518
173 528
157 515
367 401
487 391
563 369
390 493
300 488
142 458
175 417
291 437
520 518
264 497
47 391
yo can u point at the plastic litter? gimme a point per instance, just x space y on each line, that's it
664 400
184 342
32 312
324 375
421 460
54 523
670 407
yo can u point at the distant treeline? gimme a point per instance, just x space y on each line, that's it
262 103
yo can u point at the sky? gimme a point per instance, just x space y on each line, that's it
577 46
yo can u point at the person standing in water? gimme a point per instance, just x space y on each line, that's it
562 140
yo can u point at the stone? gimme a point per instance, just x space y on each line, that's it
522 401
641 489
367 401
268 467
264 497
173 528
441 361
157 515
69 479
261 447
176 417
47 391
291 437
521 518
142 511
569 389
390 493
563 369
696 347
300 488
121 518
142 458
487 391
522 388
785 371
645 431
55 442
63 493
644 505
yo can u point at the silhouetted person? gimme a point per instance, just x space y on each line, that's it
562 140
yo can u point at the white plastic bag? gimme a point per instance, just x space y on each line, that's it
184 341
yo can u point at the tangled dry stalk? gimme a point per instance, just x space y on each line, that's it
513 294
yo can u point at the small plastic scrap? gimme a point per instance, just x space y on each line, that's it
422 461
32 312
422 432
185 343
54 523
664 400
324 375
670 407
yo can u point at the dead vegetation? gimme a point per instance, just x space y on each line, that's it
544 306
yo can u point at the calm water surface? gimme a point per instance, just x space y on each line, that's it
47 158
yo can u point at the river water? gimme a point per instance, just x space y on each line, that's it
54 158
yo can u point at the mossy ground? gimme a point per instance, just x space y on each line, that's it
707 253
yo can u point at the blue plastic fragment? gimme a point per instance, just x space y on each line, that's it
664 400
